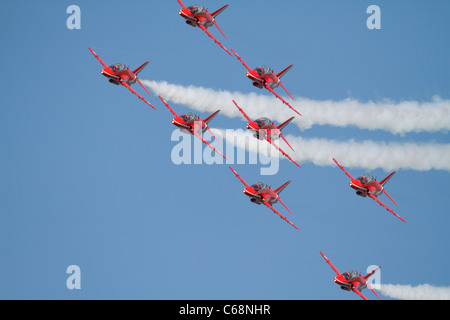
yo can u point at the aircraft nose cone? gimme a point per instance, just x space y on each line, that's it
107 72
249 191
184 12
177 121
355 183
252 125
252 74
339 279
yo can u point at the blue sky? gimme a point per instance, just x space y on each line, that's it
86 176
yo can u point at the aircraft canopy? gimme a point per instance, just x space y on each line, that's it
366 178
118 67
263 122
260 186
190 116
263 70
351 274
197 8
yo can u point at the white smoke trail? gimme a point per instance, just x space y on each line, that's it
420 292
366 154
397 118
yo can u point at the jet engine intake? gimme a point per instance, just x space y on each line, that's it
258 85
255 200
361 194
191 23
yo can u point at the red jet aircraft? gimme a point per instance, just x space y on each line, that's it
263 76
265 129
367 185
198 16
191 123
120 74
352 280
262 193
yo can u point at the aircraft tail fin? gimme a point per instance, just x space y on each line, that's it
139 69
382 182
371 273
218 11
284 124
211 116
281 188
281 73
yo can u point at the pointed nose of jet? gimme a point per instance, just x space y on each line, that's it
185 12
339 279
355 183
178 121
252 74
252 125
249 191
107 72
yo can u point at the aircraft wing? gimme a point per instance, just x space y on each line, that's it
346 172
370 287
98 58
140 97
281 216
285 90
282 137
279 97
181 3
139 81
384 190
279 199
212 37
368 284
331 265
171 110
242 111
359 293
383 205
284 153
239 177
205 142
242 61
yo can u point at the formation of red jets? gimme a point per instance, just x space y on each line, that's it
262 128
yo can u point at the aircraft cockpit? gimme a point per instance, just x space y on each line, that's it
263 70
351 274
263 122
190 116
260 186
366 178
197 8
118 67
